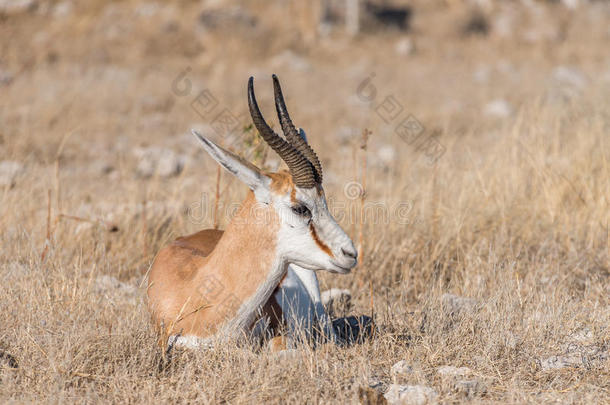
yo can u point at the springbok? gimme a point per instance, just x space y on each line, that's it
260 272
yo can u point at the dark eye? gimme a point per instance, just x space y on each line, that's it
301 210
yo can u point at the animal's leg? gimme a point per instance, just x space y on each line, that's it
297 309
299 298
310 282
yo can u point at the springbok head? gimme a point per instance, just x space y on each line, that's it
308 235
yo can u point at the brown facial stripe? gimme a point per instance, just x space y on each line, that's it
321 244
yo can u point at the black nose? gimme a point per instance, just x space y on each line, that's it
349 254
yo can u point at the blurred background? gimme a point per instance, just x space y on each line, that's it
110 71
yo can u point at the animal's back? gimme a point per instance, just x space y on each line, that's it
173 269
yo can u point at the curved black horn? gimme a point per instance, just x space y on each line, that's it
301 169
290 131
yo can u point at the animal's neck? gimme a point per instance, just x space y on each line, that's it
247 264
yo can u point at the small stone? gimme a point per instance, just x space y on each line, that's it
576 355
470 388
102 167
569 76
9 171
386 154
451 371
453 379
6 77
404 47
345 135
571 4
224 17
504 24
583 335
410 395
559 362
83 227
290 60
511 340
482 74
456 305
401 369
498 108
111 285
147 10
9 7
63 9
287 355
158 161
335 295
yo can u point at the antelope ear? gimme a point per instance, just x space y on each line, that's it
245 171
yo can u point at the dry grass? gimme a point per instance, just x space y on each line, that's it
515 214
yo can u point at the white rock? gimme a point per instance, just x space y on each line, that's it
401 369
83 227
169 164
329 297
453 377
9 170
498 108
470 388
404 47
110 285
17 6
571 4
386 154
101 166
451 371
583 335
577 355
410 395
569 76
289 59
346 134
559 362
147 9
454 304
6 77
287 355
482 74
158 161
503 25
512 340
63 9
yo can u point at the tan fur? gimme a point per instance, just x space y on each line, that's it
277 344
281 182
198 282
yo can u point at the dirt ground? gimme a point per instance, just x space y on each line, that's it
484 231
